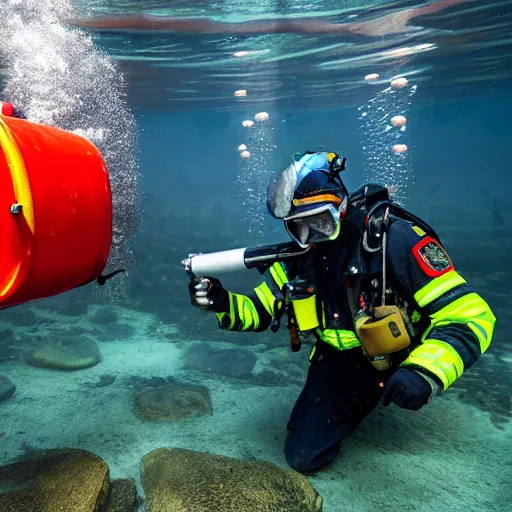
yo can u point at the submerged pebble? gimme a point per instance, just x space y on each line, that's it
173 402
66 354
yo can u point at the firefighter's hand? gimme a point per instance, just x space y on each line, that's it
407 389
207 293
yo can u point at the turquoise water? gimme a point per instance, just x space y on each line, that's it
153 84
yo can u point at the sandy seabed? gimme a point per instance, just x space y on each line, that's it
447 457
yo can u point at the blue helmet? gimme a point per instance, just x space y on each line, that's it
310 197
313 176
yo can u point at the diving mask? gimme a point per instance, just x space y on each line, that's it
319 224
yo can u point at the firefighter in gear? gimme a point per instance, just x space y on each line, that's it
390 317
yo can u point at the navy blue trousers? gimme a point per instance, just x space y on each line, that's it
341 389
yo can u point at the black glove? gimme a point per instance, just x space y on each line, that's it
407 389
208 293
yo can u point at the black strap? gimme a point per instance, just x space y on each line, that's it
102 279
404 214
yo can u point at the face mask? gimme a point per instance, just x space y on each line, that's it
318 225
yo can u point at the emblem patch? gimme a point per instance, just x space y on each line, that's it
432 257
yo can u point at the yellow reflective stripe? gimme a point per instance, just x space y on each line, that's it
231 314
418 231
439 358
483 327
305 313
469 309
437 287
247 312
415 317
266 297
342 340
220 316
241 312
463 309
278 274
20 180
254 313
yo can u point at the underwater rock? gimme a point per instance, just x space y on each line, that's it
104 316
66 480
66 354
236 363
7 388
172 402
123 496
177 480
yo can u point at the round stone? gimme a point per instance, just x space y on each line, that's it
66 354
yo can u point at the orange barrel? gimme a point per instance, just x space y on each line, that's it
55 211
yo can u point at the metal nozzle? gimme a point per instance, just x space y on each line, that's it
187 264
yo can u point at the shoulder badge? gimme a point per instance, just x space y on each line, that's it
431 257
